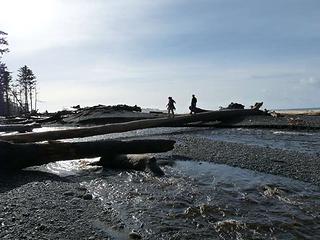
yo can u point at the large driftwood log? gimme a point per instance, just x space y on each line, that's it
18 156
131 161
18 127
129 126
197 110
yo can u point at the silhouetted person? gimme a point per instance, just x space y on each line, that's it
193 104
170 106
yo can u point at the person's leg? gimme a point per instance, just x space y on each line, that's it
171 112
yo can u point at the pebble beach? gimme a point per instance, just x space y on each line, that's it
42 205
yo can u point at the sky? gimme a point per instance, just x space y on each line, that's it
91 52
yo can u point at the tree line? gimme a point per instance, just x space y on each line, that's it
17 96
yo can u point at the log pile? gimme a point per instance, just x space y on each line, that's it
21 150
178 121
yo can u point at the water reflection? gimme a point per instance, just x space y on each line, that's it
301 141
205 201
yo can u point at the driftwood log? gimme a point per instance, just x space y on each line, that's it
131 161
129 126
197 110
18 127
18 156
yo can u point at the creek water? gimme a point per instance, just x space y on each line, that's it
201 200
301 141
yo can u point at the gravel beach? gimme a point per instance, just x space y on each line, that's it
38 205
300 166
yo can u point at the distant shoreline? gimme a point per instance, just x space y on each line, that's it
299 111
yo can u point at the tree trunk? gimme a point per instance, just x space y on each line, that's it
35 99
129 126
7 103
2 105
18 127
26 105
18 156
30 93
18 101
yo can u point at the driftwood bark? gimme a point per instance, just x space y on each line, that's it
129 126
18 127
56 117
131 161
18 156
197 110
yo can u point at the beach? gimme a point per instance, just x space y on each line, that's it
159 120
255 174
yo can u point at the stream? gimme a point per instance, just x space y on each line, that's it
201 200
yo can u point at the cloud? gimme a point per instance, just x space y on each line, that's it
140 51
310 81
36 25
287 74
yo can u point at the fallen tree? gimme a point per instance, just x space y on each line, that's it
15 156
18 127
197 110
129 126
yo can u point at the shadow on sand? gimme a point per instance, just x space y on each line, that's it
9 181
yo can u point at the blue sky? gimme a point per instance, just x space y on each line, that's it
141 51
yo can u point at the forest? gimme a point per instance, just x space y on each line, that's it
18 95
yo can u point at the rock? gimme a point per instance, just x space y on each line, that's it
82 188
87 196
75 200
42 227
134 235
62 209
69 193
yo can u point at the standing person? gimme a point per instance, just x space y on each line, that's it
170 106
193 104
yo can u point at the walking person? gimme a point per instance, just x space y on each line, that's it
193 105
171 107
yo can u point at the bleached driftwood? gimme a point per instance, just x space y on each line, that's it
129 126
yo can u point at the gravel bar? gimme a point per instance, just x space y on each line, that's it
296 165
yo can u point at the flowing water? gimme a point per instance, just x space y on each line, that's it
201 200
301 141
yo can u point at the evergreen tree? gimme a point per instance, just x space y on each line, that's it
3 43
3 71
5 82
27 82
